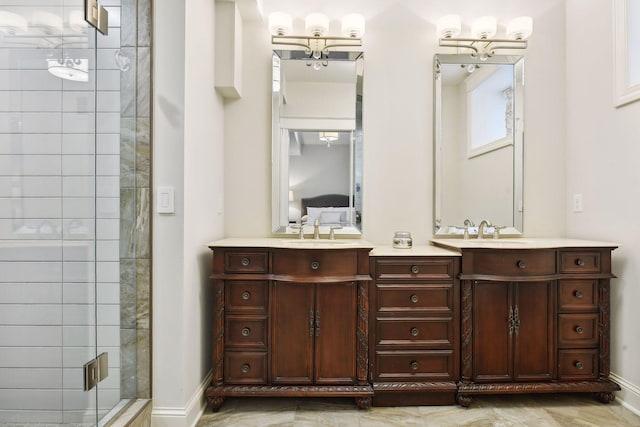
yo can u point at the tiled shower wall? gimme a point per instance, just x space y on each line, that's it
50 170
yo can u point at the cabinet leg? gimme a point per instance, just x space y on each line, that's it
605 396
363 402
464 400
215 402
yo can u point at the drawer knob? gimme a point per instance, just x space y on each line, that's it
245 368
580 262
246 332
245 262
521 264
415 269
579 329
246 295
414 298
414 332
578 294
414 365
579 365
315 265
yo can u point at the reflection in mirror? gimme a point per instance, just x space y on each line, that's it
478 138
317 143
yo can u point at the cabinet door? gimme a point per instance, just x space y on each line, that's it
335 345
292 333
534 351
492 358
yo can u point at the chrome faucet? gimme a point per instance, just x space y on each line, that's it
316 229
484 223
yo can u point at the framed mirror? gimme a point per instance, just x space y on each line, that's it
317 142
478 143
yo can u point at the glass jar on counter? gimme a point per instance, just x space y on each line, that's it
402 240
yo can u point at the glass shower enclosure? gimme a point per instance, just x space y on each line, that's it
60 125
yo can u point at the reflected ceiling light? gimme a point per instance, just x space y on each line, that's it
73 69
12 24
316 43
328 137
48 23
481 42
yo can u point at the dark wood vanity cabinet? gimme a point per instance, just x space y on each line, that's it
290 322
414 350
535 321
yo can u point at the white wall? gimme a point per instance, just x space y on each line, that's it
602 164
188 154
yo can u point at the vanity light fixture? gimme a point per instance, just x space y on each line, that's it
328 137
316 42
481 42
12 24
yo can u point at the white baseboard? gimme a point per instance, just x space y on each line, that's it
183 417
629 396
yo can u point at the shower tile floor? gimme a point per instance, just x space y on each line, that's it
527 410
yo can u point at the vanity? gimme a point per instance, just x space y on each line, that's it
290 319
534 316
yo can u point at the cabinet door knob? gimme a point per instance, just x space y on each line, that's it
414 332
521 264
246 368
579 329
578 294
246 332
415 269
315 265
579 365
414 298
246 295
580 262
245 261
414 365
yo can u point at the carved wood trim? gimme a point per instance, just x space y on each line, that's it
542 387
218 334
604 327
267 390
466 334
362 333
416 386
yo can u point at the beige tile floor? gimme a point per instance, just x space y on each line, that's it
502 411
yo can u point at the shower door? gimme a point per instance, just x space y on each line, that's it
59 212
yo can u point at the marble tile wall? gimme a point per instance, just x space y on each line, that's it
135 212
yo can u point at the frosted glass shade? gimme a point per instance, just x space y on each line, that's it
449 26
316 24
12 24
280 24
353 25
484 27
520 28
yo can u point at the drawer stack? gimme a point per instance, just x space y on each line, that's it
578 331
414 347
246 327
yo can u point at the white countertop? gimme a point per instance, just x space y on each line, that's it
291 243
418 250
520 243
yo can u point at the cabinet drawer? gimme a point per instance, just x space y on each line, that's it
578 330
435 365
245 367
420 268
514 263
245 332
578 364
580 262
245 296
428 297
246 262
578 295
312 263
435 332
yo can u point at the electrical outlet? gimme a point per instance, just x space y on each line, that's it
577 202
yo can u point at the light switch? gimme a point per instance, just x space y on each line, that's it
165 204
